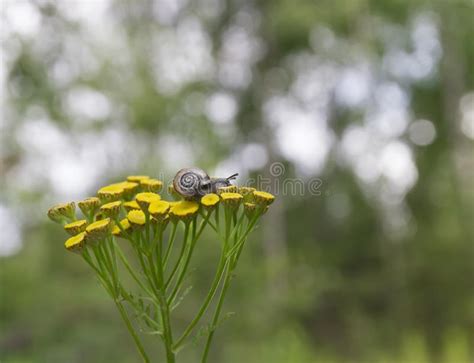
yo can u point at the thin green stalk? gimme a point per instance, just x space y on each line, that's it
137 307
167 334
188 258
170 245
130 270
88 259
244 236
102 248
215 318
205 305
132 332
180 257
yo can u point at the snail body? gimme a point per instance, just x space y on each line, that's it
193 183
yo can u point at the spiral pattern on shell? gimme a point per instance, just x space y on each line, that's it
191 182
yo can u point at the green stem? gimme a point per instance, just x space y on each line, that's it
170 245
130 270
134 335
180 257
205 305
215 318
188 258
167 334
241 240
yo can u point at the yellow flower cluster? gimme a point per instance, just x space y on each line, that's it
122 208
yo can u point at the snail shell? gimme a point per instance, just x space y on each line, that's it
193 183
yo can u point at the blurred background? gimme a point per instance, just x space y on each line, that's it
374 98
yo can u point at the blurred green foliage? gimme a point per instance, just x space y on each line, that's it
312 287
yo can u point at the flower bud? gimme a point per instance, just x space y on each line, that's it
136 218
125 224
144 199
111 193
184 210
76 227
131 205
159 210
111 209
231 200
61 213
228 189
263 198
210 201
89 206
249 210
76 243
247 193
97 231
151 185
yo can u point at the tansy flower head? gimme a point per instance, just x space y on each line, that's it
76 243
111 209
163 221
129 188
64 212
111 192
184 210
131 205
210 201
89 206
249 209
247 193
136 218
97 231
144 199
228 189
76 227
231 199
119 232
263 198
151 185
159 209
137 178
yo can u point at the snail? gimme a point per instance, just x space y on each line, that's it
192 183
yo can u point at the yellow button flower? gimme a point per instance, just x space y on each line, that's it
228 189
263 198
247 193
111 192
184 210
249 209
136 218
111 209
76 227
210 201
62 212
144 199
125 224
76 243
159 208
231 199
131 205
129 187
98 230
89 206
151 185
